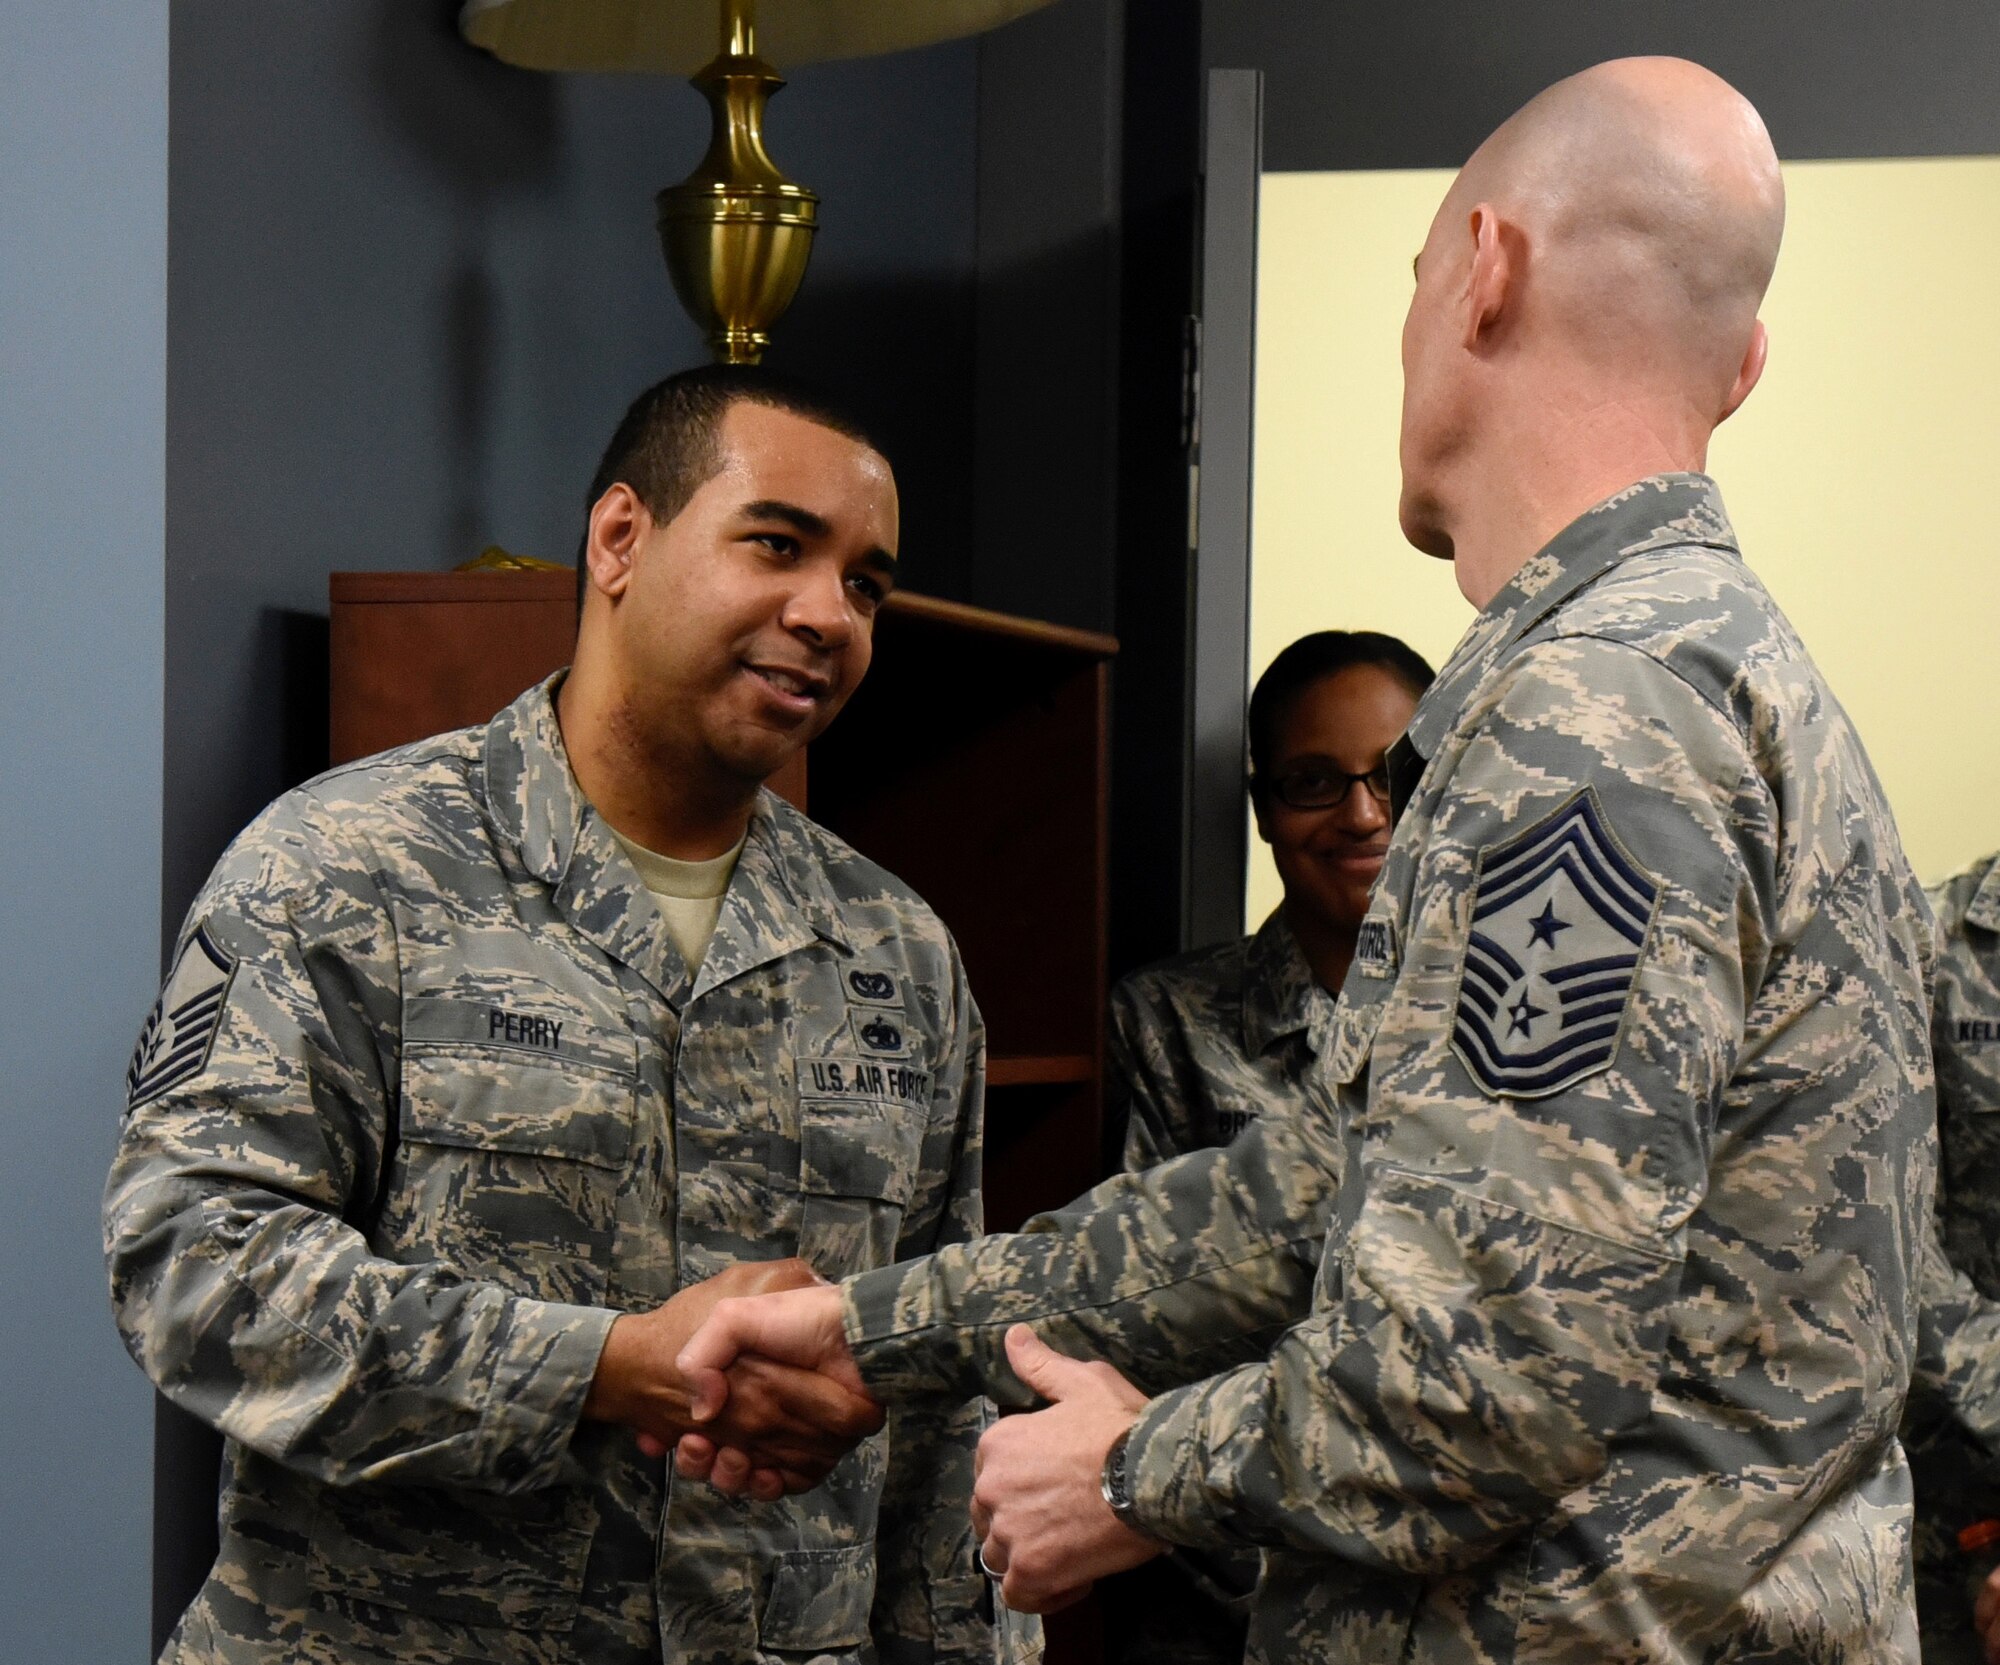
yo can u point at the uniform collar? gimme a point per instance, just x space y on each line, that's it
1665 511
778 899
1278 986
532 796
1984 908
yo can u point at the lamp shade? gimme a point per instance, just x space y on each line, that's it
676 37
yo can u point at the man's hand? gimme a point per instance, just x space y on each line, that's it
798 1422
799 1329
1046 1531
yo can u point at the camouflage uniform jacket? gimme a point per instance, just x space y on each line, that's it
1957 1476
1199 1045
429 1098
1604 1355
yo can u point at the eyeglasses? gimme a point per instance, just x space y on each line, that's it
1321 786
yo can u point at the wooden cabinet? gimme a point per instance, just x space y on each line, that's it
419 653
972 763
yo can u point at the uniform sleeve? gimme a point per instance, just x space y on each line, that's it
1958 1347
933 1606
241 1278
1500 1310
1136 1091
1171 1274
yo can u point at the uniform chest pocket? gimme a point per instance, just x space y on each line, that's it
858 1168
510 1160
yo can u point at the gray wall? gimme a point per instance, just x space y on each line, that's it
83 156
1421 83
1046 358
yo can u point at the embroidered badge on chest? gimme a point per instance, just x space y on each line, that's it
879 1035
180 1029
873 988
1558 928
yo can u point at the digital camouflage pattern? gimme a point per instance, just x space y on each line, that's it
1611 1372
1201 1044
460 1106
1957 1476
1199 1047
1965 1035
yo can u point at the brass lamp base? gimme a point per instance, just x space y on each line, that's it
736 232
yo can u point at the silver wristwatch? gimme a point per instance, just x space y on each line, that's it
1114 1481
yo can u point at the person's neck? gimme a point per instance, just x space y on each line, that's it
1510 501
671 803
1328 948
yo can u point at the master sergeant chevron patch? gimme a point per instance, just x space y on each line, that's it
181 1027
1559 924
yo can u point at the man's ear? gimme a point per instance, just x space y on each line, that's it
1499 253
618 521
1749 372
1258 816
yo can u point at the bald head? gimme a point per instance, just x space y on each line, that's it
1586 305
1650 193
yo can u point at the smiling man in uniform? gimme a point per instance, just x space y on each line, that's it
1598 1351
479 1057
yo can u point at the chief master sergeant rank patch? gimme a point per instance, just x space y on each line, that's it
181 1027
1559 923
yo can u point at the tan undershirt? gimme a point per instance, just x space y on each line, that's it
687 893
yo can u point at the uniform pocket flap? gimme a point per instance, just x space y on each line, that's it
858 1150
819 1599
484 1100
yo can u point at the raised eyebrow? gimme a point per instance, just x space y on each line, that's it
800 520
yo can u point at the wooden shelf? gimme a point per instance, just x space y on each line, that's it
957 617
1041 1070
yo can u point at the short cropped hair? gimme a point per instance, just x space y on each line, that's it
1312 659
669 444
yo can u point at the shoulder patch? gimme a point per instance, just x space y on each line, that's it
180 1029
1559 922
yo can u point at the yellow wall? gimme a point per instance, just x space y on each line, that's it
1858 474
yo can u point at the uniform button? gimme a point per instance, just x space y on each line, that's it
511 1466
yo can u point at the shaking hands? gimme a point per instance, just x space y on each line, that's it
796 1330
1045 1530
798 1421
